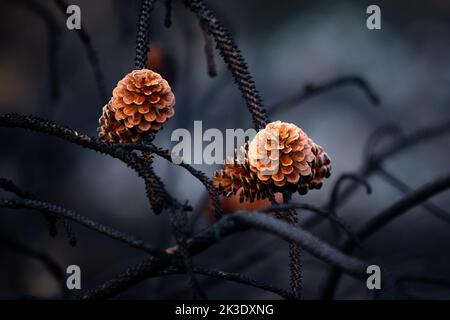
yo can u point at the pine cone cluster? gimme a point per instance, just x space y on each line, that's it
237 178
281 158
141 102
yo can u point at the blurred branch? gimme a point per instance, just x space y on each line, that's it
404 188
306 240
398 146
168 15
378 135
203 240
312 90
47 261
209 51
234 60
54 41
383 218
10 186
338 185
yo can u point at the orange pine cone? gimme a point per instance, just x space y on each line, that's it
141 102
237 178
283 156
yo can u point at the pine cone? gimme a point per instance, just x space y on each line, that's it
284 157
237 178
141 102
322 167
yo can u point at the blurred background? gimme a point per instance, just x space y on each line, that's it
288 45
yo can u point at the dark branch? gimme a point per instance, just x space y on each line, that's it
306 240
180 230
142 36
67 134
168 16
206 238
312 90
338 186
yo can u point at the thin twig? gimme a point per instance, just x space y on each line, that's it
10 186
209 51
168 16
235 277
59 211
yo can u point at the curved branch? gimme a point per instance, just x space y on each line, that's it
312 90
338 185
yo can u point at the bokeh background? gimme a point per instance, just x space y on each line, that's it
288 45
